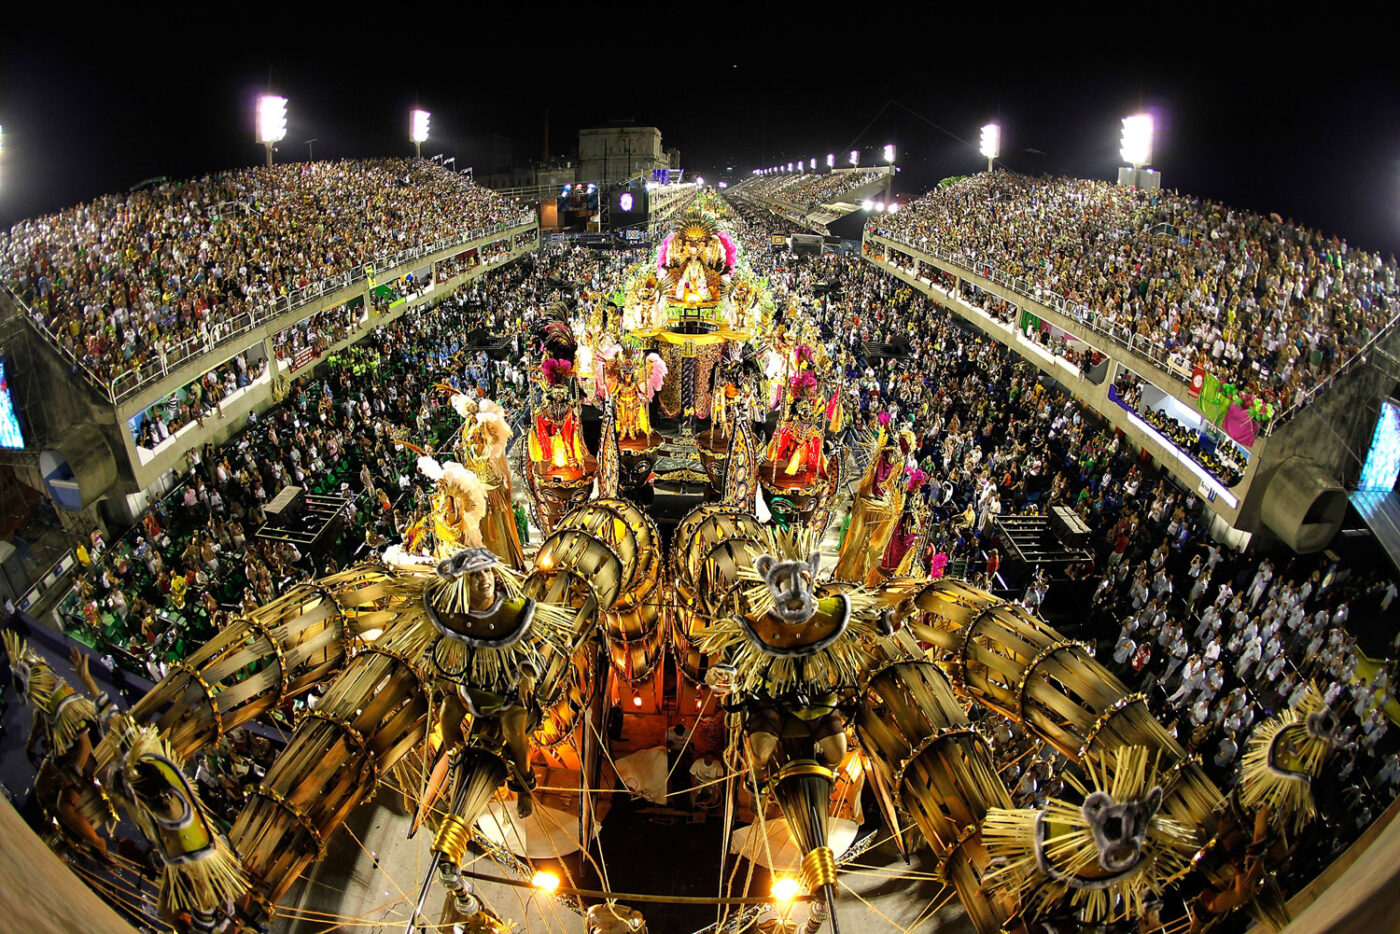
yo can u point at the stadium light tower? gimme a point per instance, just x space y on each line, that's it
855 157
1137 143
991 143
831 160
889 153
814 164
418 130
272 121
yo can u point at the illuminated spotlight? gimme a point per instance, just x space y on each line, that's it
592 188
785 889
699 180
867 205
418 130
889 153
1137 140
636 700
272 121
790 167
626 201
814 164
724 184
879 206
891 207
855 157
830 160
545 881
991 143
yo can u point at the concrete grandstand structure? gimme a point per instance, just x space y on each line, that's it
1285 490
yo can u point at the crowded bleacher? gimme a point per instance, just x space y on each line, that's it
805 191
1218 640
1259 302
123 281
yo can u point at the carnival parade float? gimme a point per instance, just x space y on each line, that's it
680 569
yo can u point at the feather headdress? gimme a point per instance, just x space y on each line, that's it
1108 855
836 662
557 371
1284 755
66 712
201 872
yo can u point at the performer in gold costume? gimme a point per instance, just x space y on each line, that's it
482 446
878 503
633 381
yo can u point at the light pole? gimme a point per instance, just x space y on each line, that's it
991 144
1137 143
309 156
418 131
272 122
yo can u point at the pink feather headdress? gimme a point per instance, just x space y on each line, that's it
557 370
731 250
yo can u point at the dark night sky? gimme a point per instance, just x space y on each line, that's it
1270 113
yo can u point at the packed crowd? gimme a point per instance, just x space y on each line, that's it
194 559
1219 640
123 280
1263 303
807 190
195 402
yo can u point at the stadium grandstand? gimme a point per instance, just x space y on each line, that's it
379 549
129 285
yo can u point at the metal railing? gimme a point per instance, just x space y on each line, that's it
126 384
1138 344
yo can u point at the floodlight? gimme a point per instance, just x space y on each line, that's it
867 205
855 157
830 160
991 141
418 126
889 153
790 167
814 164
891 207
272 119
1137 140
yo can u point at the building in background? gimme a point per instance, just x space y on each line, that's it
617 152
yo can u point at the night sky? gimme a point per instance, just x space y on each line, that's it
1298 114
